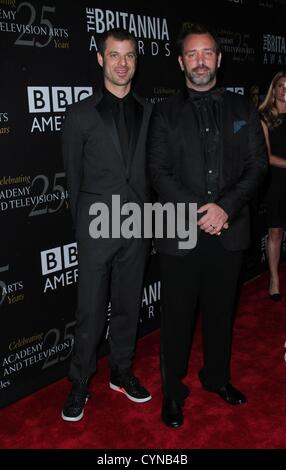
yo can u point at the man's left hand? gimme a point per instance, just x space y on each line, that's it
214 219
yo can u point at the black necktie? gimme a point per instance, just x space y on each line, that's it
122 131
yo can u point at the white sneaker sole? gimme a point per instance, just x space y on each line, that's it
74 418
122 390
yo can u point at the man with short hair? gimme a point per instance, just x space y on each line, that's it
206 147
104 153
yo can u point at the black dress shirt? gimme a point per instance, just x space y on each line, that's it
123 114
207 108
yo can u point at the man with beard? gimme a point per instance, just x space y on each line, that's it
104 153
206 147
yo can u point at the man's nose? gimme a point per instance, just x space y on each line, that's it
123 60
200 59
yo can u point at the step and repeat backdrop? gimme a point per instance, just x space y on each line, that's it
48 60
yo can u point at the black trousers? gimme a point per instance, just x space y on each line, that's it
112 267
208 274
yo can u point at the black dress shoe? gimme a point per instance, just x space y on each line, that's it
230 394
275 297
172 414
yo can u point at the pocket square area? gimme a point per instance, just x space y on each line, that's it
237 125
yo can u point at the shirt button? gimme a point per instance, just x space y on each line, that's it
209 192
210 172
207 129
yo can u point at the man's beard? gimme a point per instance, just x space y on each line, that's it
204 80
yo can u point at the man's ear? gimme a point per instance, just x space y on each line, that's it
99 59
181 62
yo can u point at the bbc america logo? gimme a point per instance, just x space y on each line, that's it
59 266
45 99
48 104
59 258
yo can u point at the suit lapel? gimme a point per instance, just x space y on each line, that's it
142 112
227 142
189 135
110 126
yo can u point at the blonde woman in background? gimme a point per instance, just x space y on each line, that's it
273 112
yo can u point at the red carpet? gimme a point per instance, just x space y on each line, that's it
113 422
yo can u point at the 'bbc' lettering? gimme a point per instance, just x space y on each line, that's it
44 99
59 258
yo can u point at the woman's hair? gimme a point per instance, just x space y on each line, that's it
268 108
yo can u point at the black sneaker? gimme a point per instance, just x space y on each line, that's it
74 406
127 383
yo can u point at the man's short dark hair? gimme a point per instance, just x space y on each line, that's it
197 28
117 33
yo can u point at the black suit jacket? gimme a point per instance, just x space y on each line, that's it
176 162
92 154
